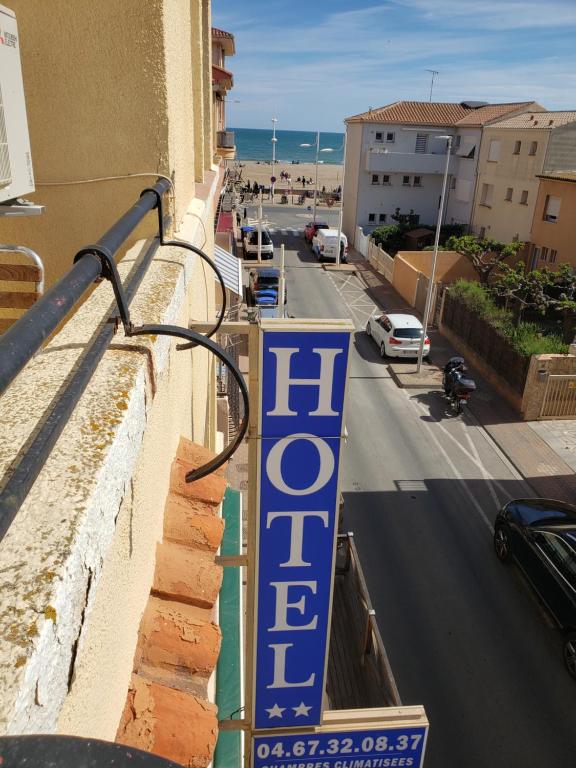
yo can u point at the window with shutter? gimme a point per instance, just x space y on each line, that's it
552 208
421 142
494 151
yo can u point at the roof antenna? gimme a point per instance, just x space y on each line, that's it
433 72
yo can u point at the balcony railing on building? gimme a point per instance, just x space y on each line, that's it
225 139
378 160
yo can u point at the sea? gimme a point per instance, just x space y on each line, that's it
256 144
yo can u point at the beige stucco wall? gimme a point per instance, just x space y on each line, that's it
450 265
405 279
351 179
504 220
557 235
541 366
77 562
108 92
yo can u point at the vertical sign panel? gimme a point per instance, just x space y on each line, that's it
302 389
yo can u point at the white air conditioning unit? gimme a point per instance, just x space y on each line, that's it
16 177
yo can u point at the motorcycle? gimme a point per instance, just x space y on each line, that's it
457 386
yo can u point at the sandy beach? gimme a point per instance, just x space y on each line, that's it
329 176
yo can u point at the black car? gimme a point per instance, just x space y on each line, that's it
540 535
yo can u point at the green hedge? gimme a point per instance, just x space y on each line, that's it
526 338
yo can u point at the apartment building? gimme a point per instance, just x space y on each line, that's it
467 147
395 160
222 82
514 152
552 234
101 635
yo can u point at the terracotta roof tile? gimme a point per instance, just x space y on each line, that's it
178 642
222 33
187 575
169 723
484 115
178 646
537 120
414 113
558 175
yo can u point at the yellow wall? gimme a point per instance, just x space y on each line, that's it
504 219
405 279
558 235
109 91
450 265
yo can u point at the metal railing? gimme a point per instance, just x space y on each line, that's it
21 342
370 645
559 401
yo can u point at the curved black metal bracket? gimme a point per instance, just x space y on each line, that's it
197 339
110 272
198 252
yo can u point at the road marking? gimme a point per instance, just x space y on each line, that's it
458 476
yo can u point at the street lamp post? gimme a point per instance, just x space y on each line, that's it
341 205
318 150
274 140
435 254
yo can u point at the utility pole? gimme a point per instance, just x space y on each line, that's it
433 72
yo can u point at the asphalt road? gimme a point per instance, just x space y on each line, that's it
294 216
464 635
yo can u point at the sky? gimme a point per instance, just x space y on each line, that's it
312 63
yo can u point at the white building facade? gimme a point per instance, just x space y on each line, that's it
395 162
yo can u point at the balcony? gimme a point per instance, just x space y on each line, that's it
225 144
384 161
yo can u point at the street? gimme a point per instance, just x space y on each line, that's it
464 635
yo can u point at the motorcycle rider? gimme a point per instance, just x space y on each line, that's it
454 370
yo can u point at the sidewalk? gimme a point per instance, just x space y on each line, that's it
543 452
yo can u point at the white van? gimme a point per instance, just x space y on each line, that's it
325 244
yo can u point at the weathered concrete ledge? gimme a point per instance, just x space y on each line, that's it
77 564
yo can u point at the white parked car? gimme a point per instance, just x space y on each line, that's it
397 335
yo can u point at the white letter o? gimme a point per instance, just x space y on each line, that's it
274 465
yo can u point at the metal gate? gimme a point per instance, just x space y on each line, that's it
559 400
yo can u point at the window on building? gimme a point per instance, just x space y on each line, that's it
378 136
524 197
544 254
385 179
421 142
494 151
375 178
533 147
406 181
381 217
535 257
417 181
517 145
553 254
453 182
371 217
487 194
390 137
509 193
457 140
552 208
482 233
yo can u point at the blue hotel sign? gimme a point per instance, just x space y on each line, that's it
302 392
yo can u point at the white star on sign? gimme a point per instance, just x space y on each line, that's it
276 711
301 709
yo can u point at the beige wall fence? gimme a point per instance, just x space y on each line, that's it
361 242
381 261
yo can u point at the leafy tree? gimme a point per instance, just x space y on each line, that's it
523 290
484 254
389 237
